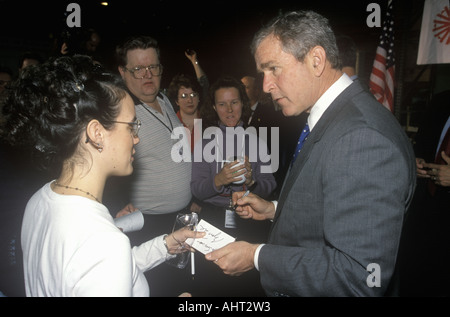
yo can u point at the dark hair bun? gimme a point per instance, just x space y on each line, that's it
51 103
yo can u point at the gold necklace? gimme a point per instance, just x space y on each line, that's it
76 188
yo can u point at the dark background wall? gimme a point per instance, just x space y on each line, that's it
221 32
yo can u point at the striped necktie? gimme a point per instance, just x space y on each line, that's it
300 142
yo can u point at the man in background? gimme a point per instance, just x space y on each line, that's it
159 187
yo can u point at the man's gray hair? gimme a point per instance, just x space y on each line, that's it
299 32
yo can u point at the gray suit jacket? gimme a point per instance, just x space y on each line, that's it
342 205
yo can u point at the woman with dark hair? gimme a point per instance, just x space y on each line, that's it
210 114
185 92
80 122
216 177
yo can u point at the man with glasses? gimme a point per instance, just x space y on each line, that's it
159 187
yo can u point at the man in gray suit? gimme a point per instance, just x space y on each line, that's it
337 224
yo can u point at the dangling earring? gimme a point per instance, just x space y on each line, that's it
98 146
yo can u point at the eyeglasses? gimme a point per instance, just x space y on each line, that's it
139 72
135 126
192 95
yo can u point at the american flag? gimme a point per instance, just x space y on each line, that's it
383 70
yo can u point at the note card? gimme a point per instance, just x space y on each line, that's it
213 240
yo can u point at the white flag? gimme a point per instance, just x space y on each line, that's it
434 44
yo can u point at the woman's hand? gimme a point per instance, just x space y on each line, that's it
191 55
176 240
421 171
195 208
229 173
128 209
249 181
439 173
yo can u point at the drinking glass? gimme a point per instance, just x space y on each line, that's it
181 253
241 161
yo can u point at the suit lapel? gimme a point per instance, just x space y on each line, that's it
296 168
316 134
256 115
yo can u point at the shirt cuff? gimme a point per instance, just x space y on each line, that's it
166 248
256 256
275 203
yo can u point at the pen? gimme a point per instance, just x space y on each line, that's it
245 195
192 265
195 218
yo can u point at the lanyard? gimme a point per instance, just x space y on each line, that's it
156 117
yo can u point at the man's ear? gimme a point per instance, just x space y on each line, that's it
121 71
317 58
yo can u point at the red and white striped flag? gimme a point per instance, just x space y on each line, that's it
434 44
383 70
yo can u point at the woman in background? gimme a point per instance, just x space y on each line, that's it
185 92
214 181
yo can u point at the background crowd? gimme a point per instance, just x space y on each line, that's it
162 188
152 188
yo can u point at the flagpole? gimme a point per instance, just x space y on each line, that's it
382 78
400 57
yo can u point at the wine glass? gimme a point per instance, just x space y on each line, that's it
179 256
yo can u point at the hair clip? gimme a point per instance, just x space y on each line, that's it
40 148
78 86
